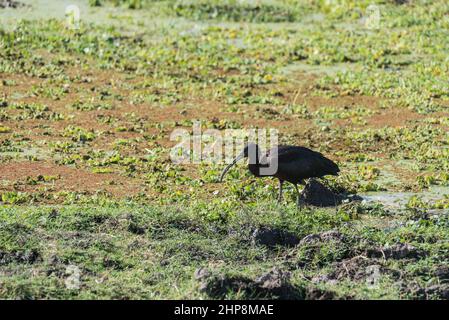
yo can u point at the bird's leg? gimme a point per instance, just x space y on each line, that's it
299 202
281 182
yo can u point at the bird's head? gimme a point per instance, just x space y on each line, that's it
249 151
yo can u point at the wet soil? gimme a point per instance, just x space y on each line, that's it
272 237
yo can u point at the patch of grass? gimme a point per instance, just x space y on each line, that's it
233 10
117 248
104 99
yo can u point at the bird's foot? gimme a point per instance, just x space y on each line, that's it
300 202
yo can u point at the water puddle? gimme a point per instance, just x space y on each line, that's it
399 200
51 9
330 70
38 9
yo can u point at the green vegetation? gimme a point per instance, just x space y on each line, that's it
91 206
128 251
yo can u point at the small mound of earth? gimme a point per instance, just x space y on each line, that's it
356 268
397 251
319 294
327 236
10 4
310 247
274 237
133 225
27 257
317 194
439 291
442 272
134 228
273 284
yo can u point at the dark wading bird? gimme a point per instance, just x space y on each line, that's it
295 164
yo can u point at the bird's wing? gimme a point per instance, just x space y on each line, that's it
300 162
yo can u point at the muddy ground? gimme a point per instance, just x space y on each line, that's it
86 113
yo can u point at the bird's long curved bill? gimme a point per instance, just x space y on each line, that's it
239 157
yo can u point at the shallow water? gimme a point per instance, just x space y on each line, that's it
56 9
317 69
38 9
398 200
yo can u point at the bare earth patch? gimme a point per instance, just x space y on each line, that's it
65 179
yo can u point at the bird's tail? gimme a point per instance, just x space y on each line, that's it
332 167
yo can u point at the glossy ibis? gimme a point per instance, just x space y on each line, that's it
295 164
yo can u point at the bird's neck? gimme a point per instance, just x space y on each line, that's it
254 163
254 169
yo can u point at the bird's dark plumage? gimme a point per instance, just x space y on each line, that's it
298 163
295 164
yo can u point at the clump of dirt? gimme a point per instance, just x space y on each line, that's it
438 291
397 251
442 272
133 225
276 282
320 249
273 284
26 257
184 224
356 268
317 194
134 228
313 293
272 237
327 236
10 4
55 266
113 263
